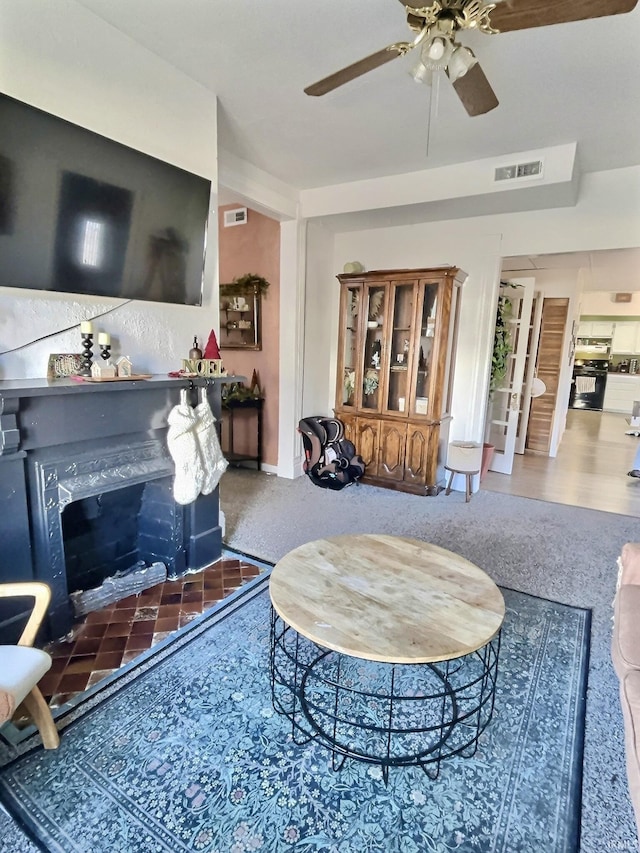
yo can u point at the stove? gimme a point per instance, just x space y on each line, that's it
588 384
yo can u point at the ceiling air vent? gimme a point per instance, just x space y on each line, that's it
532 169
237 216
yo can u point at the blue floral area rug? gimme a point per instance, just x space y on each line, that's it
189 755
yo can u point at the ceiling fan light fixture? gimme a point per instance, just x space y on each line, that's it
436 52
460 61
436 48
420 73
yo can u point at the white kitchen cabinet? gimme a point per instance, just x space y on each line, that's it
602 330
626 337
621 392
595 329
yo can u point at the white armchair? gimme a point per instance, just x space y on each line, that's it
22 667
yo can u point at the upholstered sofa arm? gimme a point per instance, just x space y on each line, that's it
630 564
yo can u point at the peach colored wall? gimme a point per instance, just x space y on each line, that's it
255 248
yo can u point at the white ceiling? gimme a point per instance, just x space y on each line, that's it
576 82
559 84
607 270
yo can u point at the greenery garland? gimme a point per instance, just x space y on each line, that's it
248 283
502 345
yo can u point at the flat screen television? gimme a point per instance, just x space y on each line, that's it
80 213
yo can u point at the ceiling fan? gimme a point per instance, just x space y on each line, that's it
436 28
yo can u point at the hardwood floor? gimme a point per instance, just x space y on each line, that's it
590 469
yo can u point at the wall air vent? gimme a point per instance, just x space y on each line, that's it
519 170
237 216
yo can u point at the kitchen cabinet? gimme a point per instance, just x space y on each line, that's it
621 392
595 329
626 337
396 342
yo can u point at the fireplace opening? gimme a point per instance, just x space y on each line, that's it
114 532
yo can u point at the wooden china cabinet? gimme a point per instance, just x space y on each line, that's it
396 346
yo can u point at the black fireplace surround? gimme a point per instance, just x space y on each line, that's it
86 489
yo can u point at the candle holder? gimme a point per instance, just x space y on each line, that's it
87 357
105 352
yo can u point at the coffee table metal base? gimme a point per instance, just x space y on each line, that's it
391 715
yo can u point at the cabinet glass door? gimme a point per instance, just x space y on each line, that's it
350 351
426 341
400 357
373 348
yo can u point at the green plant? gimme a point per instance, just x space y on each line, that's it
247 283
370 384
502 345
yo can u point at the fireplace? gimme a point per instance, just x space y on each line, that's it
86 479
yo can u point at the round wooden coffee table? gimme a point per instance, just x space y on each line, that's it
385 649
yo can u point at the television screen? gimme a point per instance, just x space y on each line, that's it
80 213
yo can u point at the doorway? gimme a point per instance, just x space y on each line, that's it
580 277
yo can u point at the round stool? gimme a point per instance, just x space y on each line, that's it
463 457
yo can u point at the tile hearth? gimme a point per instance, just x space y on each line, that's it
107 639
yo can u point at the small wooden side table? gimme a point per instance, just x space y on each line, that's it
233 406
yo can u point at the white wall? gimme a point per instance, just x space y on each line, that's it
600 302
321 323
292 298
59 57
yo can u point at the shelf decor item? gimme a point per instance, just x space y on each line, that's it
195 352
104 342
370 384
349 382
86 333
124 367
212 350
63 364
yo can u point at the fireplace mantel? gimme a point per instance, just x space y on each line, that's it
59 440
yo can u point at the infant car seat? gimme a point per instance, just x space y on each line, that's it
331 461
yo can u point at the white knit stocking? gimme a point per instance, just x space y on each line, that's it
185 452
213 462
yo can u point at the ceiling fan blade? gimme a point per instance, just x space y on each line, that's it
512 15
475 92
328 84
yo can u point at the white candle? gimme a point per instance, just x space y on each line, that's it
86 327
104 338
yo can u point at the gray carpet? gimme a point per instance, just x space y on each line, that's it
554 551
564 553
